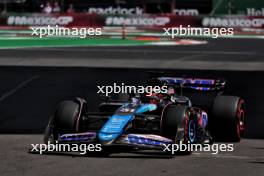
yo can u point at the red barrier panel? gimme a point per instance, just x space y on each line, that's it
145 21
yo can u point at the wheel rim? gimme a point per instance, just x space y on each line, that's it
191 131
240 118
238 129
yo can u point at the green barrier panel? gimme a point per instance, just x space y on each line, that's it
238 7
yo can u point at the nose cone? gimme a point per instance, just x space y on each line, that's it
146 107
113 128
107 138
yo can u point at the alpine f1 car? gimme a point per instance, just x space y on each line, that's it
191 111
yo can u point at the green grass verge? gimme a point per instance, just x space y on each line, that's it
60 42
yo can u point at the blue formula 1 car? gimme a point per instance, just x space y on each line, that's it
152 121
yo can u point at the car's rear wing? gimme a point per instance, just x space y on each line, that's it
194 83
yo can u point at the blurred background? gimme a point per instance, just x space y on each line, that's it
126 18
174 7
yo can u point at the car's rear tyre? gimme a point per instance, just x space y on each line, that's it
228 118
177 125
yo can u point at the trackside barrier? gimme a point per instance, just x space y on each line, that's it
147 22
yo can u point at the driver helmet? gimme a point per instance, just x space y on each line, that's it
155 98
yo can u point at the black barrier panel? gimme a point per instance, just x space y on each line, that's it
26 109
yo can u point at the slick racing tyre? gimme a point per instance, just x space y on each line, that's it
228 118
66 116
64 120
50 134
177 125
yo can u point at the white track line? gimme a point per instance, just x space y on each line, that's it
18 87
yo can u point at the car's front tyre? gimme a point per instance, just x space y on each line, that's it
65 120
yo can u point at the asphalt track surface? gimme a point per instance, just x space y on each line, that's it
29 94
247 159
218 54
